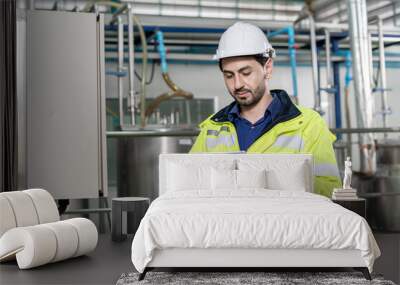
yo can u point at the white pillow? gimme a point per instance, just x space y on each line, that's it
294 178
183 177
194 175
223 179
226 179
282 173
251 178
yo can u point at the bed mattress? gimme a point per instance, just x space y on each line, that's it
250 219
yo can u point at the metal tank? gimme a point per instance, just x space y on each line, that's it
382 190
137 163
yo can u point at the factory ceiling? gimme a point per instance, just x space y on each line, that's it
280 12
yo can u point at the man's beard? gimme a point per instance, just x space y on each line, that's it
253 99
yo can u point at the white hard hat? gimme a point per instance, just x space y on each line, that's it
243 39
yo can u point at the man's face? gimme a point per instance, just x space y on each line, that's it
245 79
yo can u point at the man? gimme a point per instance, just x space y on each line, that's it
260 120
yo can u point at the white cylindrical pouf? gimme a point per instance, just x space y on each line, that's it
45 205
35 245
87 234
67 239
7 217
23 207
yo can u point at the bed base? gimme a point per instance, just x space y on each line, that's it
363 270
242 259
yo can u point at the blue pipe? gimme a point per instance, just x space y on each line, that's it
292 53
279 32
389 64
195 50
348 76
201 50
167 29
116 73
210 49
162 51
336 82
347 63
387 35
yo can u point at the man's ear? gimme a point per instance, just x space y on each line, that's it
268 68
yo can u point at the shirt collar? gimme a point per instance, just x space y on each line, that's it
234 112
273 109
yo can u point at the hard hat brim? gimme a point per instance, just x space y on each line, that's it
217 57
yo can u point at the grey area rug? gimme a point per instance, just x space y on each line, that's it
228 278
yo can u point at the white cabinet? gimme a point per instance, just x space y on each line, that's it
66 152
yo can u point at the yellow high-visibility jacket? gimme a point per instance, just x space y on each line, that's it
295 130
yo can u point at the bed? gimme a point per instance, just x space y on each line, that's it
246 211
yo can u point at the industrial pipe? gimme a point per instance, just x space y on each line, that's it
120 11
347 80
329 79
382 69
370 59
117 16
131 19
328 58
314 62
90 4
314 58
336 90
131 69
120 69
292 54
144 71
314 7
366 130
361 75
176 91
342 26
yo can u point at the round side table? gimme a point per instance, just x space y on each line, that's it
126 204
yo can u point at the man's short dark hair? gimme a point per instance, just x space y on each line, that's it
260 58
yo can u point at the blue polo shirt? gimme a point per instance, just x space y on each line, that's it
246 131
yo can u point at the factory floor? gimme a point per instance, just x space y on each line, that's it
110 259
103 266
388 264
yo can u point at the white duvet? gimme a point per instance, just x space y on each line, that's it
250 219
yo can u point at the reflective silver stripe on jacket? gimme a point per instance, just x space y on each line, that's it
225 140
216 133
224 128
326 169
292 142
212 133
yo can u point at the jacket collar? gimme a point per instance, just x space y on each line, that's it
287 112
